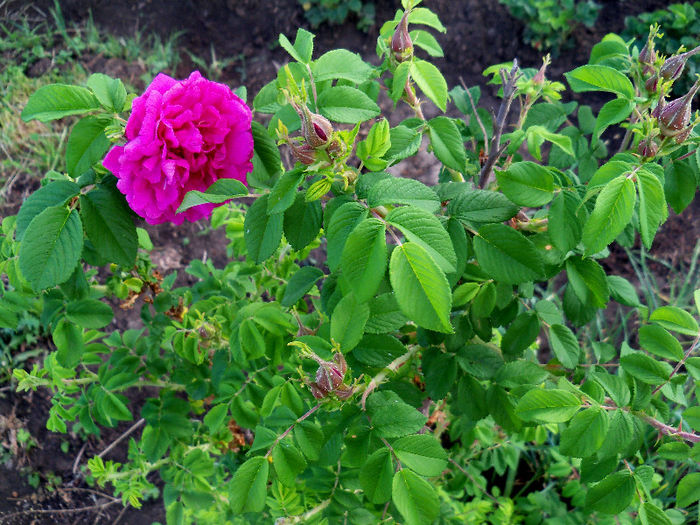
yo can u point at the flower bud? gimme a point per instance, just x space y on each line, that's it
675 116
672 68
647 55
316 129
329 375
683 135
651 84
317 392
648 148
401 43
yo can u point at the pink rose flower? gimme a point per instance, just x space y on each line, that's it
181 136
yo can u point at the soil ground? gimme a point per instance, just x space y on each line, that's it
479 33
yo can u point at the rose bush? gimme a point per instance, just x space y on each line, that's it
181 136
443 357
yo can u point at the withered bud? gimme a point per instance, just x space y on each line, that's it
672 68
401 44
648 148
647 55
305 153
675 116
651 84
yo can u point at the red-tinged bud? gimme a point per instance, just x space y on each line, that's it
329 375
656 112
401 43
339 360
648 148
648 71
305 153
317 391
651 84
315 128
673 67
675 116
647 55
539 77
683 135
344 391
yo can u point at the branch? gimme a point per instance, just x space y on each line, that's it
391 367
120 438
510 80
476 116
286 432
668 430
679 364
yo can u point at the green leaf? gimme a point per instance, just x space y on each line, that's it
612 112
86 145
68 339
692 417
613 494
385 315
430 81
375 476
284 192
548 406
423 228
299 284
310 439
688 491
520 372
422 15
262 232
53 194
421 288
57 101
249 486
266 158
109 224
620 434
415 498
391 417
341 63
439 372
343 221
302 222
348 322
588 280
303 46
646 369
658 341
674 319
398 82
251 340
652 206
395 190
288 462
564 345
585 434
347 105
507 255
615 386
674 451
447 143
611 214
427 42
600 78
622 291
464 293
215 417
404 142
89 313
526 184
364 258
51 247
679 185
221 191
377 142
650 514
482 206
522 332
421 453
109 91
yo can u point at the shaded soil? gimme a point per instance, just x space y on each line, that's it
480 33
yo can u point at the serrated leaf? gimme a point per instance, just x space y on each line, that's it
391 417
646 369
309 437
585 434
364 258
343 221
507 255
688 491
51 247
376 475
613 494
341 63
347 105
588 280
299 284
249 486
288 462
89 313
600 78
652 206
620 433
266 158
674 319
612 112
658 341
425 229
526 183
57 101
86 145
564 345
430 81
421 288
348 322
109 224
415 498
109 91
53 194
422 453
397 190
262 232
548 406
447 143
68 339
611 214
302 222
221 191
482 206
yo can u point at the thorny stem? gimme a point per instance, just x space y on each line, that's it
668 430
391 367
496 149
291 427
679 365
